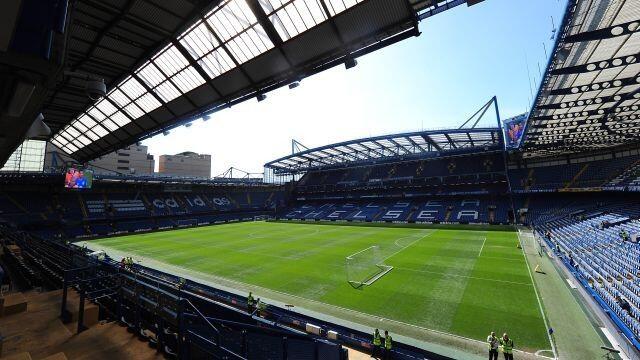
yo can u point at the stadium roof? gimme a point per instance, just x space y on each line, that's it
411 144
169 62
590 92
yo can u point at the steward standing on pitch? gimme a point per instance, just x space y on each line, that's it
493 343
377 344
388 344
507 347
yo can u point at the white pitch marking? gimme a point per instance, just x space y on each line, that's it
463 276
413 242
614 343
482 247
535 290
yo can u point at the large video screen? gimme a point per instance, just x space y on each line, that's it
514 129
78 179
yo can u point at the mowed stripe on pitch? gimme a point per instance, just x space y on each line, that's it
497 306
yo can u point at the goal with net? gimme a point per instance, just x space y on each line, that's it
365 267
261 218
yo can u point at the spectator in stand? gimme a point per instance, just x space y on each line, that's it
624 235
624 304
571 261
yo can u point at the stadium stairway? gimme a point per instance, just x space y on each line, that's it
233 201
367 174
39 333
392 171
529 181
16 203
410 214
181 202
577 176
83 208
420 168
105 199
627 174
447 217
270 198
148 204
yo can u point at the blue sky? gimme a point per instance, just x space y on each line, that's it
463 57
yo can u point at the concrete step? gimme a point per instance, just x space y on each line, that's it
39 334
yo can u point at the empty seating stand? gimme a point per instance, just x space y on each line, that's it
591 244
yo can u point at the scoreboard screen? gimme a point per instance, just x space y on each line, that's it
514 130
78 179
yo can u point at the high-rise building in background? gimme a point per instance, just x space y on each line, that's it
185 164
134 159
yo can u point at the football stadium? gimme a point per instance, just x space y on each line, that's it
505 233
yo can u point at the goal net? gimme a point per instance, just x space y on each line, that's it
365 267
261 218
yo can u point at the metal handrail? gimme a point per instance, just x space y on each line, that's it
215 329
227 351
201 316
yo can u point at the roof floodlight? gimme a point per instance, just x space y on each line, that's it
350 62
563 53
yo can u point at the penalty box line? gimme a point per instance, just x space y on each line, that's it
408 245
361 251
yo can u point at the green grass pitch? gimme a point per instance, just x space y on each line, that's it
462 282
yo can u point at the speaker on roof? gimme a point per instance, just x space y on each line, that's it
350 62
562 54
20 97
38 128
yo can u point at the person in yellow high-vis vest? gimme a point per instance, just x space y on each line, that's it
261 307
377 344
388 345
250 303
507 347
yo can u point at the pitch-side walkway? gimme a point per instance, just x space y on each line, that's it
577 333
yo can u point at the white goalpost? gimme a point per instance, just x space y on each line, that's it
365 267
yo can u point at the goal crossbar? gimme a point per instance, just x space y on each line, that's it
365 267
